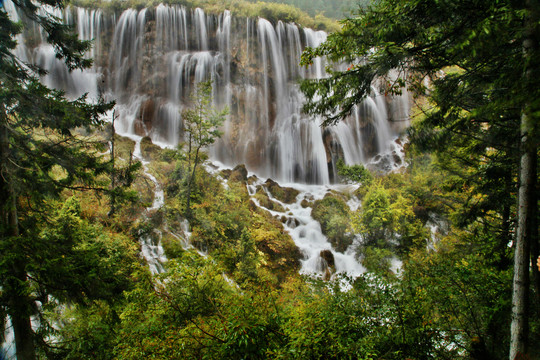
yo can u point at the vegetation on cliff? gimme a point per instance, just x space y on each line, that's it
240 8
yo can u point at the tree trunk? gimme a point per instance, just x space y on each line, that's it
19 304
535 251
112 198
191 180
19 312
519 331
505 237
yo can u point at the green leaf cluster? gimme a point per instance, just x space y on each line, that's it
334 216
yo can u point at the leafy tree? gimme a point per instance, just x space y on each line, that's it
355 173
481 62
387 220
192 311
201 125
40 156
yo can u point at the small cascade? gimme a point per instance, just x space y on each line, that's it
126 60
151 250
200 30
21 50
76 83
307 234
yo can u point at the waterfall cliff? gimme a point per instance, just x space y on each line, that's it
149 60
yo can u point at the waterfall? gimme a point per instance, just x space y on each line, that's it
148 61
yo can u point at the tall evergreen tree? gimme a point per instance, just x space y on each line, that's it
479 60
40 155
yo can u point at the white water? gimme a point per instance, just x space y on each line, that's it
7 351
152 252
149 60
306 232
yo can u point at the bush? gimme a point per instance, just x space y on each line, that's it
333 215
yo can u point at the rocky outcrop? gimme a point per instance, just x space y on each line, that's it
239 174
149 150
328 264
283 194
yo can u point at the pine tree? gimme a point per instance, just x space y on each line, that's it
40 155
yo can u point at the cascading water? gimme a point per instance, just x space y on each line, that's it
149 60
151 250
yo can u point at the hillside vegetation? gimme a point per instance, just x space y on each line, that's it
241 8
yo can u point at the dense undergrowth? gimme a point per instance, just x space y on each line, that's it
244 298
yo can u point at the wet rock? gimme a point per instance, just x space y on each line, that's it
252 179
239 173
305 203
147 113
149 151
328 264
266 202
283 194
253 207
332 213
292 222
328 256
226 173
397 158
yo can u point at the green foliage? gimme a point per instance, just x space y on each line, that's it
194 312
72 261
377 259
461 289
121 177
80 261
373 319
172 246
354 173
273 11
241 238
201 127
250 244
333 215
377 220
387 223
88 332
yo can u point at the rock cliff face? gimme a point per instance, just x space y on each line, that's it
149 60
